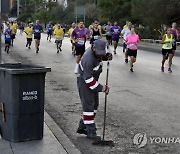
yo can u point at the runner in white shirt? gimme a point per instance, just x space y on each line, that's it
125 32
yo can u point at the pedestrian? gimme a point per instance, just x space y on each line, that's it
7 37
175 34
29 32
38 29
125 32
132 41
95 32
59 36
90 69
115 30
108 33
79 36
167 49
49 31
70 31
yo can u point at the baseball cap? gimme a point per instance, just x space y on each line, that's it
100 46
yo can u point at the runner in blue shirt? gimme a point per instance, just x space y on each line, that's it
38 29
7 37
49 31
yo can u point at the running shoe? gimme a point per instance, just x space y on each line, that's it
162 69
57 50
126 60
7 50
37 50
26 45
29 47
131 70
115 52
169 70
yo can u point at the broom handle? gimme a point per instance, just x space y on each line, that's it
105 105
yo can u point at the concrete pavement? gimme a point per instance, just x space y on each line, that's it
53 142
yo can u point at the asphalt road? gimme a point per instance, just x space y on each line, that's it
145 101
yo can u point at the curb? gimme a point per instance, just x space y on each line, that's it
60 135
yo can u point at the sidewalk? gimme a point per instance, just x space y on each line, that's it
53 142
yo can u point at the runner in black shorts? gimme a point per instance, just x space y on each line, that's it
132 41
79 36
167 42
115 31
80 50
175 34
37 34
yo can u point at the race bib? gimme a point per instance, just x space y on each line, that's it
81 42
107 33
169 45
8 36
132 46
116 30
36 30
96 37
59 37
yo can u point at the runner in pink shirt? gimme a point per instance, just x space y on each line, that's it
132 41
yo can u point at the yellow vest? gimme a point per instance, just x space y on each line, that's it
168 45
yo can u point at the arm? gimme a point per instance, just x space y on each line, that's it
163 40
88 77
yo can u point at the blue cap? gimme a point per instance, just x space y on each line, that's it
100 46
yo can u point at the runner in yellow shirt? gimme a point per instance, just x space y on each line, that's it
54 28
29 31
71 39
14 30
59 36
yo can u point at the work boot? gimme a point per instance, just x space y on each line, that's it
82 128
91 132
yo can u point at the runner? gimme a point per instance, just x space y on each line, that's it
21 27
7 37
95 33
126 25
38 29
71 39
4 26
132 41
167 49
125 32
79 36
14 30
108 33
175 34
49 31
115 30
59 36
54 28
29 31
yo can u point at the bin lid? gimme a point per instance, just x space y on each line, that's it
18 68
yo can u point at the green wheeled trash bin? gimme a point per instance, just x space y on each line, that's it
22 89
